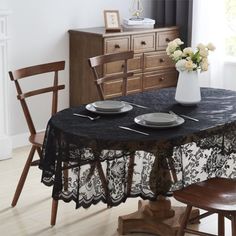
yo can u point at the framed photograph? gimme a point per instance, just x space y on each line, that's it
112 20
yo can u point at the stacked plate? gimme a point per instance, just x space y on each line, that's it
159 120
109 107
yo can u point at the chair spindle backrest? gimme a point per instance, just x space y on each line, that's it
37 70
101 60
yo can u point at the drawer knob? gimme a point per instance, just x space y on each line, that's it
117 46
162 60
143 42
167 40
162 78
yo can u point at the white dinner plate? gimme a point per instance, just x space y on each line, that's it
108 105
140 121
124 109
159 118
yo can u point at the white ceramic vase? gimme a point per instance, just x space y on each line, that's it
188 90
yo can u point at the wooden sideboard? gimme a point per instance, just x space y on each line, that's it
151 66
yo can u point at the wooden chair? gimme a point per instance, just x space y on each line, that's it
216 195
100 61
97 64
35 138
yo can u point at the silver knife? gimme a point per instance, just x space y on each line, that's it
187 117
190 118
136 105
134 130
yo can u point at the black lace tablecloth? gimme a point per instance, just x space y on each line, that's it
194 150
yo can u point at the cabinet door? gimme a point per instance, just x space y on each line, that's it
134 65
163 38
114 88
135 84
114 45
157 61
143 42
162 79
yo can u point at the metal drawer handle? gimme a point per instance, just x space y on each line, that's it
162 60
162 78
143 42
167 40
117 46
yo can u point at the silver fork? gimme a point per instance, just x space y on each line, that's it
86 116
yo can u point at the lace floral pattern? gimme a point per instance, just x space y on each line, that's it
165 160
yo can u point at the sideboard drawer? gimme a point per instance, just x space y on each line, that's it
162 39
159 80
157 60
143 43
113 67
117 44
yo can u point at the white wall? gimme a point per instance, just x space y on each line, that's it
38 33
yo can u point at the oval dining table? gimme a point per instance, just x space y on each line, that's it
162 161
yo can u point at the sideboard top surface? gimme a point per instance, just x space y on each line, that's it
102 32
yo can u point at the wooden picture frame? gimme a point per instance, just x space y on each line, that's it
112 20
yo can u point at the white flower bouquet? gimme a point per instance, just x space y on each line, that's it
188 59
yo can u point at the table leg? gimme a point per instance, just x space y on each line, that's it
154 217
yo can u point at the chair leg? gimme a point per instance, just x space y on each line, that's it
39 150
102 178
184 220
221 225
24 174
104 181
54 212
65 173
233 222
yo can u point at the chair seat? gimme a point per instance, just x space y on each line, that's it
37 139
216 194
